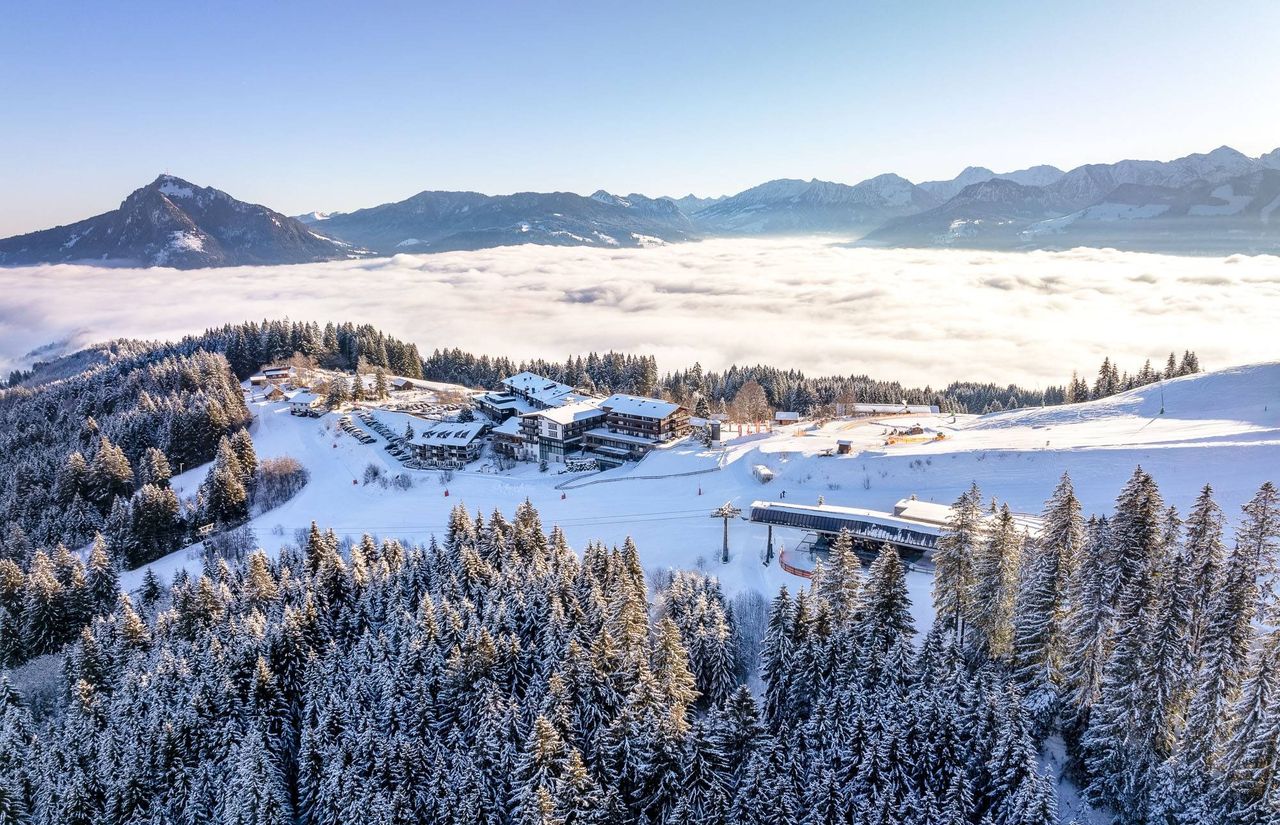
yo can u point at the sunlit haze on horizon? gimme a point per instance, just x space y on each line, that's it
915 316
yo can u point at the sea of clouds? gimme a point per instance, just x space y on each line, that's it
919 316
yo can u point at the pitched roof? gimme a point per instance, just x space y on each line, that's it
448 433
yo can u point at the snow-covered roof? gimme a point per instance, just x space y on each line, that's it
926 511
786 416
850 514
448 433
639 406
537 387
918 409
509 427
503 401
304 398
570 413
278 371
929 512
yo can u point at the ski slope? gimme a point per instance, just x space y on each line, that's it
1221 428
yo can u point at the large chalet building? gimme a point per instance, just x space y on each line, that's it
634 425
544 420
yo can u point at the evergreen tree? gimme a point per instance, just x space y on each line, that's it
671 669
226 498
954 558
101 576
110 474
1089 621
1041 602
775 658
154 468
994 585
840 585
1120 748
886 619
1206 555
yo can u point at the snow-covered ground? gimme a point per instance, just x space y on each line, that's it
1221 428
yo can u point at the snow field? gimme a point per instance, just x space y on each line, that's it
1221 428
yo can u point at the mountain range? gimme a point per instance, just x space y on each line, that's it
1220 202
442 221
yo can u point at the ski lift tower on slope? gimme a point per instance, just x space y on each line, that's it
726 511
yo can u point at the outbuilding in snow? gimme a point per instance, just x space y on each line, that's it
304 403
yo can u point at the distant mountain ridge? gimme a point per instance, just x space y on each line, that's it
1219 202
1035 176
441 221
789 206
171 222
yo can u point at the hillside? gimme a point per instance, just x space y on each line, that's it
1241 214
1221 428
173 223
987 214
442 221
791 206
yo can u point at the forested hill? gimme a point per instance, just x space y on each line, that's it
88 445
497 678
71 442
784 389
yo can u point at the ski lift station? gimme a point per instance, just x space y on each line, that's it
913 528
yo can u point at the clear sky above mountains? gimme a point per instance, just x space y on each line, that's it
335 106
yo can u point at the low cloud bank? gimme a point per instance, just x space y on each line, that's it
919 316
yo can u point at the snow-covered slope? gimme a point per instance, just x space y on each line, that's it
441 221
1236 215
789 206
986 214
1042 175
1220 428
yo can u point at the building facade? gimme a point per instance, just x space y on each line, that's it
634 425
448 443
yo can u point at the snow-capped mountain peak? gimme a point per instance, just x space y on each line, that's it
173 222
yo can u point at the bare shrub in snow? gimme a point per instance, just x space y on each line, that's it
233 545
750 618
279 479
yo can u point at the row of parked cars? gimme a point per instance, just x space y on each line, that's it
426 408
396 445
347 426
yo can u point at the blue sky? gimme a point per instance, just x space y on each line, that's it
335 106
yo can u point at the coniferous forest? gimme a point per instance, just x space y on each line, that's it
498 677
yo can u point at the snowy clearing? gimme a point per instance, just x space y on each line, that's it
1221 428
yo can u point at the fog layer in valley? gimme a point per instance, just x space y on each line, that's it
919 316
